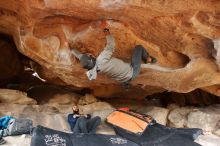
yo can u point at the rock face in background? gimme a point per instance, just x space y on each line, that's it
196 98
207 118
54 103
10 63
183 35
16 97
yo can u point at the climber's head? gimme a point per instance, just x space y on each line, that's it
75 109
87 61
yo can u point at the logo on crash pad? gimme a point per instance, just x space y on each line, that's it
118 141
54 140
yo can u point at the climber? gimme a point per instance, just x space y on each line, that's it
115 68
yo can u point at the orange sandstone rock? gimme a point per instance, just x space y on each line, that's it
182 35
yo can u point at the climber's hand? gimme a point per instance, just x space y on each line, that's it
106 31
66 43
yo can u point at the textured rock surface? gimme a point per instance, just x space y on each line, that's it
52 95
207 118
217 132
184 36
208 140
160 114
87 99
89 104
10 61
97 106
41 115
178 116
15 97
197 98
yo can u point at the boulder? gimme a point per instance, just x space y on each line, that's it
103 114
15 97
158 113
217 132
53 95
64 99
87 99
172 106
178 117
208 140
96 106
205 118
44 115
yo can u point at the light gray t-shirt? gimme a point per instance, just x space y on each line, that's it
113 67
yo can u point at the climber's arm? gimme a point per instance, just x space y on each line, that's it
110 46
76 53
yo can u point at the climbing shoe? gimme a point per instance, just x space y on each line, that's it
153 60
